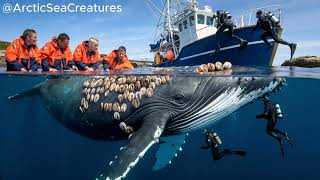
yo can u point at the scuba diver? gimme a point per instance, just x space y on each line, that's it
269 23
224 22
213 141
272 113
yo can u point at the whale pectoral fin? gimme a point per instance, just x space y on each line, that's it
137 146
168 150
31 92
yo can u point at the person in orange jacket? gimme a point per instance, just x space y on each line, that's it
56 54
23 54
86 55
117 59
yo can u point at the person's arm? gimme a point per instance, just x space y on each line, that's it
45 54
69 59
257 25
95 66
12 56
77 59
45 65
35 67
105 62
105 65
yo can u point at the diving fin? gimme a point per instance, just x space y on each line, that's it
293 48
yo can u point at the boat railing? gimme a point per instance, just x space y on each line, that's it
249 17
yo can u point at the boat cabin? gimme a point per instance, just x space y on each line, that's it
195 25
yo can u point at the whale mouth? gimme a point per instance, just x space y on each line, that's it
234 93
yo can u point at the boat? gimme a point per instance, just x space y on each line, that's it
190 34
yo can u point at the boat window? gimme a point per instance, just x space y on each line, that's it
180 27
191 19
185 24
201 19
209 20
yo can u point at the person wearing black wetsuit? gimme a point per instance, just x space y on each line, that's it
225 22
266 24
217 152
270 114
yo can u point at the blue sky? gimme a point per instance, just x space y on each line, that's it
134 27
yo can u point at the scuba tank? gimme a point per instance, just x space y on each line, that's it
217 138
273 19
227 15
278 110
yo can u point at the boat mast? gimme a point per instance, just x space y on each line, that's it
170 29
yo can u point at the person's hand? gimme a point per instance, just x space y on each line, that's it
52 70
89 69
74 68
23 70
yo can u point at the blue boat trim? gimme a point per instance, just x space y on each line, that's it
203 51
222 49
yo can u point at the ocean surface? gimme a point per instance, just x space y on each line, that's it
35 146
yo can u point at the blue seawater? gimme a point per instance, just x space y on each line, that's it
34 146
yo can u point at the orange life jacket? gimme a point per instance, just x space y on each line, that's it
113 64
18 51
81 54
52 52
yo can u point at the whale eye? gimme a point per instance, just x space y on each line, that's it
179 96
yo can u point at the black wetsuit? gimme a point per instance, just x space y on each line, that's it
217 152
265 23
270 114
225 23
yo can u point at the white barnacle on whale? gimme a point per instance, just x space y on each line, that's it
131 87
93 91
106 93
143 91
86 105
102 106
136 103
152 85
137 85
158 81
116 115
81 109
149 92
120 98
102 90
86 84
82 101
92 98
107 85
138 95
131 96
88 97
122 126
123 107
116 88
112 87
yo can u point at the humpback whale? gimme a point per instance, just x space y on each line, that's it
143 108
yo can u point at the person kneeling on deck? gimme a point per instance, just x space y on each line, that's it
269 24
86 55
117 59
56 55
23 54
225 22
